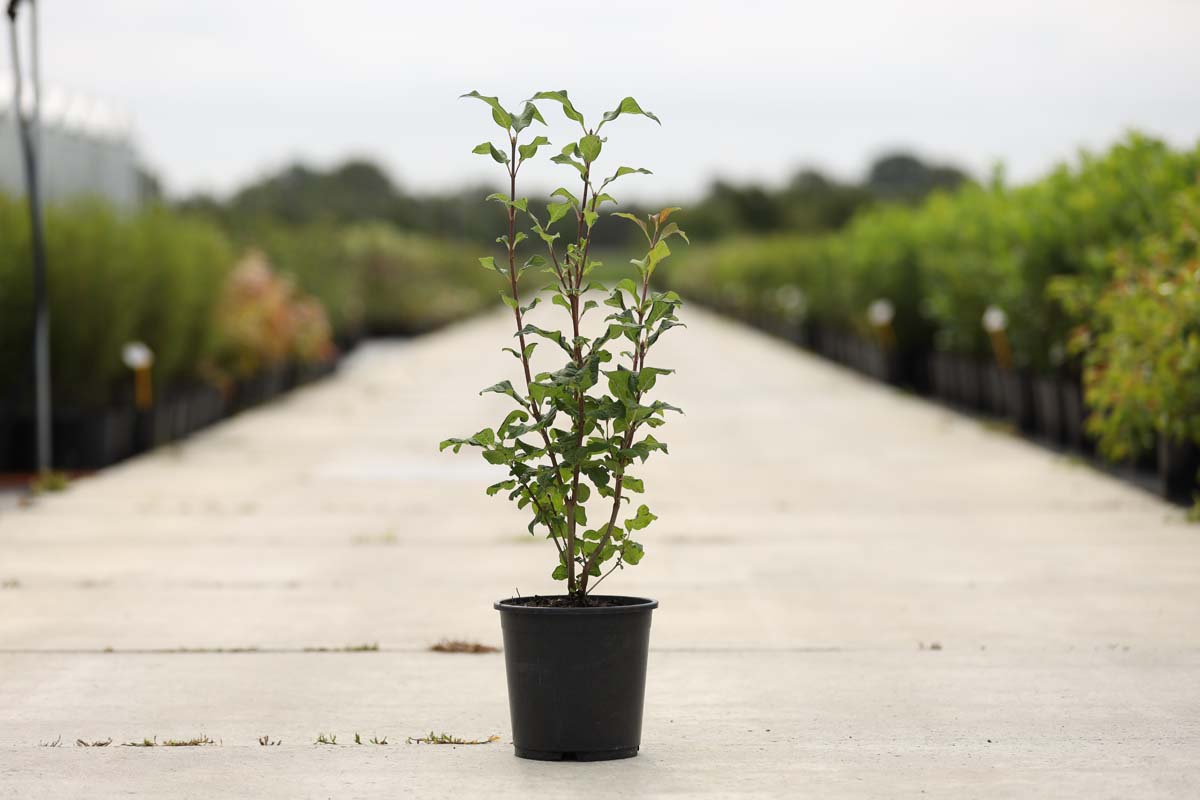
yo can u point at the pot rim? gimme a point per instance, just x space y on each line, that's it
633 605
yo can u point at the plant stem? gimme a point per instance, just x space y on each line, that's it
512 278
639 358
579 585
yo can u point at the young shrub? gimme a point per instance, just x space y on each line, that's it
187 263
263 321
577 430
414 283
1141 349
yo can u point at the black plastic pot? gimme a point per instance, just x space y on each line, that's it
1018 398
1074 415
576 678
992 392
969 381
1178 464
941 377
1048 408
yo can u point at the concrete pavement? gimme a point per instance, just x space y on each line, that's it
863 595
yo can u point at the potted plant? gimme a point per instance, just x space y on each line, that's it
578 429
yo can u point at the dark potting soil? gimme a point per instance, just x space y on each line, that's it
567 601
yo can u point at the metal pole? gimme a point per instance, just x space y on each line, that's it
41 325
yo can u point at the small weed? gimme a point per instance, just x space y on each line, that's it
10 583
377 539
998 426
49 482
377 740
56 743
930 646
1193 513
326 738
199 741
266 741
459 646
94 742
350 648
143 743
445 738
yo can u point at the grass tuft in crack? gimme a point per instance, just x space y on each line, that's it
326 738
350 648
55 743
198 741
459 646
266 741
94 742
446 738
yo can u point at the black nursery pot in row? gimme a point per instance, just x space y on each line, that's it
1049 406
96 438
81 440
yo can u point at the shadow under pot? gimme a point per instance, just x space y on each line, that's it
576 676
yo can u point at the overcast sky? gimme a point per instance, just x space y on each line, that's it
223 90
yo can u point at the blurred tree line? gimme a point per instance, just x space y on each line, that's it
360 191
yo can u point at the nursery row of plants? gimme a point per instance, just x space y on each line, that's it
1070 305
231 319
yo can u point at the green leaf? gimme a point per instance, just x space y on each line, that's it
566 195
560 96
673 230
560 573
640 520
631 552
627 106
663 327
530 149
514 417
489 149
590 217
501 117
633 484
503 387
528 114
563 158
557 211
648 375
497 487
620 383
590 147
554 336
655 256
621 172
455 443
489 262
547 237
635 220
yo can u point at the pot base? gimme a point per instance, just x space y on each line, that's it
589 755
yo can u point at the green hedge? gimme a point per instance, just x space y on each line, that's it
943 263
413 283
154 277
167 279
